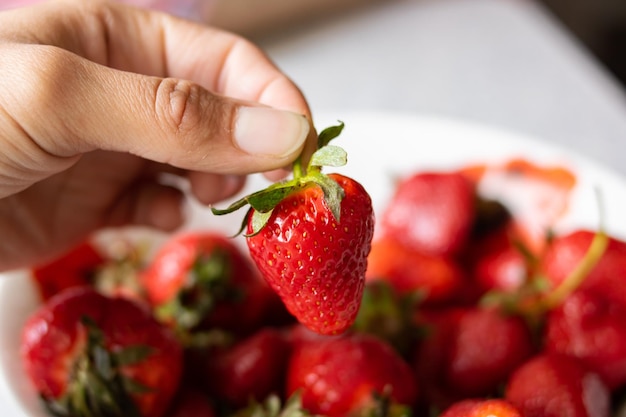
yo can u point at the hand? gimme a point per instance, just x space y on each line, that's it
99 100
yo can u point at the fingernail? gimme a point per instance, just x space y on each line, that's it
271 132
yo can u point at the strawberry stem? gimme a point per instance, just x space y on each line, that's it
298 172
592 256
537 306
572 282
263 202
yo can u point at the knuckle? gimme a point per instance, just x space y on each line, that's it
39 68
39 84
187 113
177 105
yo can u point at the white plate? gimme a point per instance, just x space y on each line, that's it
381 147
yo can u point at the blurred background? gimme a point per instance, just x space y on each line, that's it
550 69
599 25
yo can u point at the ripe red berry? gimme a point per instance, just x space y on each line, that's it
436 278
482 408
315 263
252 369
592 329
340 376
552 385
469 352
433 212
606 277
75 268
89 354
202 279
310 237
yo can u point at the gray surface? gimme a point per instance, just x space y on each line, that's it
505 63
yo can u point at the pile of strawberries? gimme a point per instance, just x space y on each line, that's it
449 311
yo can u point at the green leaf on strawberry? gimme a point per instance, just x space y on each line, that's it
273 407
329 134
98 387
264 201
332 156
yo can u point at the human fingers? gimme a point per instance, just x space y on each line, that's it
147 42
211 188
149 204
62 105
88 106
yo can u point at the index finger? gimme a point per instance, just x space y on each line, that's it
154 43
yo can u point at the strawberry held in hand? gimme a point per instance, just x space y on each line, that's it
310 237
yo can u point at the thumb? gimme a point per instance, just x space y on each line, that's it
69 105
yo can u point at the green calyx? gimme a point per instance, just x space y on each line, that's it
273 407
536 297
97 387
387 315
264 201
382 405
208 283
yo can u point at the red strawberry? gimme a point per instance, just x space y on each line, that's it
252 369
316 265
469 352
202 279
115 273
482 408
593 330
433 212
551 385
608 276
88 354
75 268
341 376
310 238
498 263
436 278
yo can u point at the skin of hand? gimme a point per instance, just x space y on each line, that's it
101 100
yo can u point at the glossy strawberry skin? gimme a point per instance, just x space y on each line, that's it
432 212
606 278
314 263
338 376
551 385
592 329
172 271
482 408
438 279
251 369
469 352
53 337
